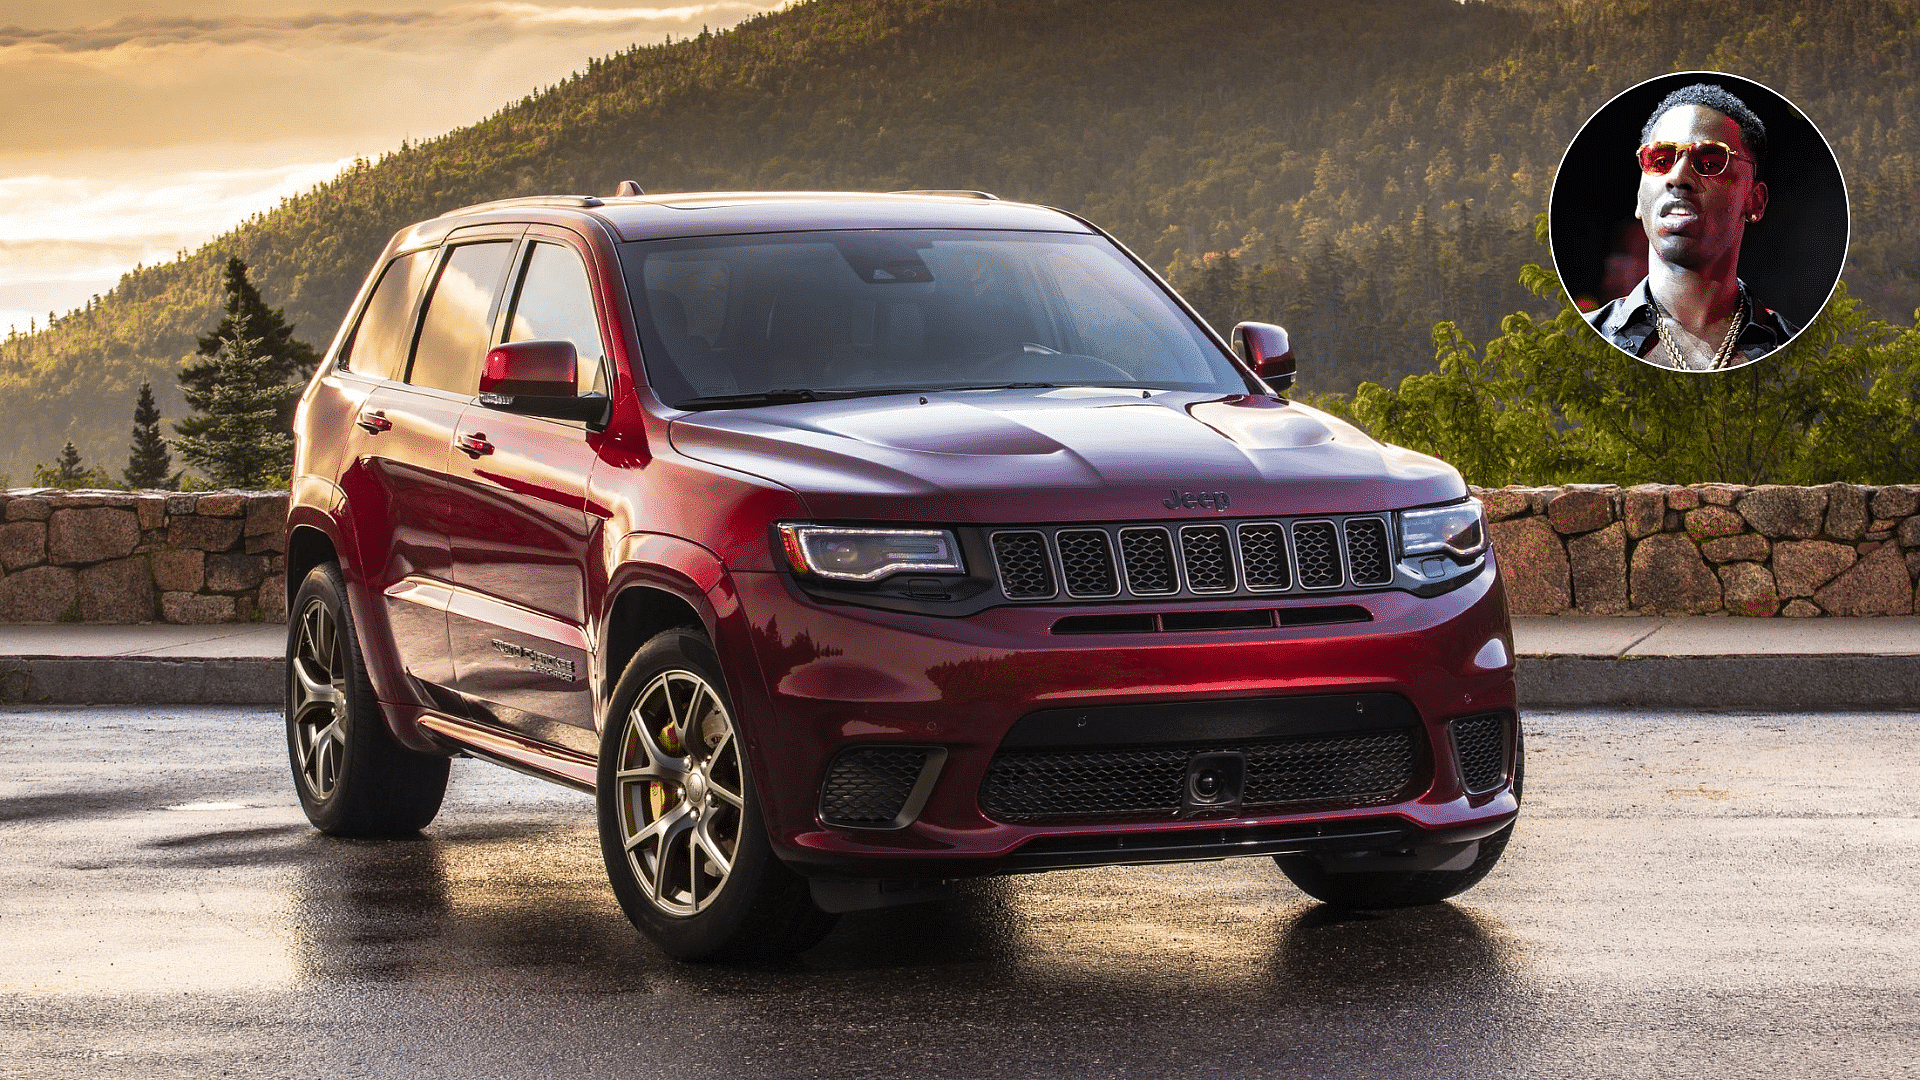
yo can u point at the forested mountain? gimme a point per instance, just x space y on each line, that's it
1357 171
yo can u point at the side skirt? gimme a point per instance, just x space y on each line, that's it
550 763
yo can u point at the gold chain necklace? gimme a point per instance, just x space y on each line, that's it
1720 356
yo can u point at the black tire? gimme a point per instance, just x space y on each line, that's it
680 826
353 778
1402 888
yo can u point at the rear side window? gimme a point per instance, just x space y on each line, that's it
379 344
457 325
555 303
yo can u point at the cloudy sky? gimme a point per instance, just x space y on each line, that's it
134 129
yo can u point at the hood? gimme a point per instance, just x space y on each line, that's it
1067 454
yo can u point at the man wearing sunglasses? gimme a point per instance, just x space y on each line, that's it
1700 188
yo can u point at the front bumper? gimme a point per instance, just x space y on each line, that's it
811 678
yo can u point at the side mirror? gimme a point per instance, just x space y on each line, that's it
536 378
1264 348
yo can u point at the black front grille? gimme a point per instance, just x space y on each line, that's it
1315 545
1208 556
868 786
1358 769
1093 562
1025 571
1480 745
1369 555
1086 562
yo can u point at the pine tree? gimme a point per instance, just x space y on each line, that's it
149 465
70 470
67 472
283 357
237 437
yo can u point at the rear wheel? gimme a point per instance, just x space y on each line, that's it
680 826
1391 888
353 778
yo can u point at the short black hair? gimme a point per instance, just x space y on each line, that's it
1752 131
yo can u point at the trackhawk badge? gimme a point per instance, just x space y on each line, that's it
1212 500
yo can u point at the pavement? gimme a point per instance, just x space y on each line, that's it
1702 661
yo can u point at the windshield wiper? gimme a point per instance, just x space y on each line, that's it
789 397
992 386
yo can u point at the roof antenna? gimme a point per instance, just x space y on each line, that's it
628 189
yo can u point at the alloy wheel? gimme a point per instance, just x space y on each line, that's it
680 794
319 672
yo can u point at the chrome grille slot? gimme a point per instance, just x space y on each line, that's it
1263 556
1026 573
1209 558
1086 563
1369 555
1317 547
1147 554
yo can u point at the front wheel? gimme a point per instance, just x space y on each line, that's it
354 779
680 827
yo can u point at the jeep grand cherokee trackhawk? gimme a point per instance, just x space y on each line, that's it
845 544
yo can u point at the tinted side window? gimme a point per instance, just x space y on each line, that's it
379 344
555 303
455 330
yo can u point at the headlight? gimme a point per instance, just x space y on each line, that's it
1459 529
869 554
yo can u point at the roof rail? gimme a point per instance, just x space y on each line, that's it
955 193
528 200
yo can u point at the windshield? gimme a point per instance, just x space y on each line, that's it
747 320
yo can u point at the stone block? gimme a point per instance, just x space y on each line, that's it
235 573
152 511
1721 494
1746 547
1800 567
1597 565
267 513
120 591
1800 609
266 543
204 533
1876 585
29 508
1682 498
270 602
90 535
1668 577
1580 510
1896 501
194 609
1505 503
1674 521
1643 507
220 504
1909 532
1846 512
1913 565
1747 589
1795 513
181 504
23 544
1533 565
38 595
179 571
1711 521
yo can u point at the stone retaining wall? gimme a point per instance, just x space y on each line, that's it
1584 549
141 556
1704 549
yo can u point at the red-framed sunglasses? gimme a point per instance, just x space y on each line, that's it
1710 158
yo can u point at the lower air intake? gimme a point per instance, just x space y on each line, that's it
869 787
1480 745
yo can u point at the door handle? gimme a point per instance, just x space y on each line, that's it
474 445
374 422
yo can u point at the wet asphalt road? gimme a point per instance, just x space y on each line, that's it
1688 894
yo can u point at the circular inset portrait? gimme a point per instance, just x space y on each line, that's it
1698 221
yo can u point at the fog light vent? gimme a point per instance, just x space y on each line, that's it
878 787
1480 745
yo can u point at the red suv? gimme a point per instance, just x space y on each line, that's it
845 544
